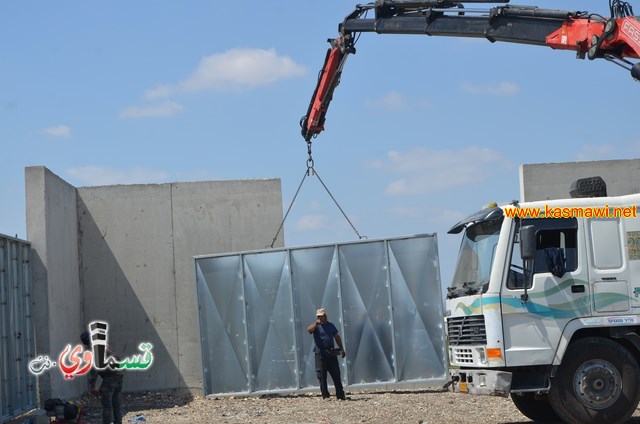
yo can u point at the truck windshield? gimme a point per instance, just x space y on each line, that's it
475 259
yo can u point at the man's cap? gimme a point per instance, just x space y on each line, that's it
321 312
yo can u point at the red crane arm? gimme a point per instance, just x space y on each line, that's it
616 39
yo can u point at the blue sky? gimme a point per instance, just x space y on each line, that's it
421 132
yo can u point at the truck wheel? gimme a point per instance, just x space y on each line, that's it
597 382
535 406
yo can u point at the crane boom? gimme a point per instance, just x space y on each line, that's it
616 39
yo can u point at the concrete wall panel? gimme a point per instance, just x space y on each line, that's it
137 244
552 180
127 273
125 255
52 229
215 217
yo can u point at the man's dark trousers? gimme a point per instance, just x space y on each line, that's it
111 406
329 364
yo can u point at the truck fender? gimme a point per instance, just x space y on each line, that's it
623 332
567 334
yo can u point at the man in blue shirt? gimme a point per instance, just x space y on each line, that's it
324 332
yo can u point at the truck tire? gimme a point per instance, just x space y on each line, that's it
597 382
535 406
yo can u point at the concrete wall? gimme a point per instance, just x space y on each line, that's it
137 245
52 228
124 254
552 180
216 217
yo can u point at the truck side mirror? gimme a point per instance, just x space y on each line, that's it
528 242
528 254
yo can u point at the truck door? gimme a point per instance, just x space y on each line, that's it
609 271
533 323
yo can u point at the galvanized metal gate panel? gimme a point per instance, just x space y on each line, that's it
383 295
17 340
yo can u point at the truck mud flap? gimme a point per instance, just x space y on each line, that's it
480 382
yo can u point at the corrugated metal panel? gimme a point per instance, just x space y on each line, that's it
383 295
17 340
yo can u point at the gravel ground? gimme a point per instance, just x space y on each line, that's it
414 406
411 406
426 406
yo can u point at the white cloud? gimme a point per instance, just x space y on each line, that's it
310 222
158 92
153 110
233 70
98 175
391 101
595 152
422 170
57 131
501 89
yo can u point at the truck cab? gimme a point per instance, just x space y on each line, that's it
544 306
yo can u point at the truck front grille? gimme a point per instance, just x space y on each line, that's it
468 330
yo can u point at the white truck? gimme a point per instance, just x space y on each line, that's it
545 306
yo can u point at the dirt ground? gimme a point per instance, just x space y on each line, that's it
410 406
381 406
426 406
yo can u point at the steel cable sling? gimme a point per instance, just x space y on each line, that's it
311 170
